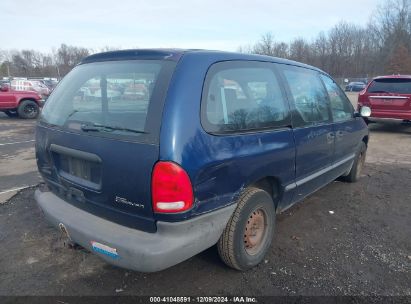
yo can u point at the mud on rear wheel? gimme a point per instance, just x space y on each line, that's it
358 165
249 232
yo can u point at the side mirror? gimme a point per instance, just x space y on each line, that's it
4 88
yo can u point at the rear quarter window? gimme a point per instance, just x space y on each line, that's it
242 96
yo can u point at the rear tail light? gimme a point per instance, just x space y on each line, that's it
362 98
171 188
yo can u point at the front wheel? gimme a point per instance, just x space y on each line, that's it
28 109
358 164
249 232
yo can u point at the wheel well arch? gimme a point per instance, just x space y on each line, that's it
28 98
272 186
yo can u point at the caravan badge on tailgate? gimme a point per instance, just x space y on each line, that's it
122 200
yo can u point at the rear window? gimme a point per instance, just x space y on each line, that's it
391 85
116 98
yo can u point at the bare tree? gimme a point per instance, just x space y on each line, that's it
392 27
300 50
281 49
382 46
320 50
350 50
399 62
66 57
266 45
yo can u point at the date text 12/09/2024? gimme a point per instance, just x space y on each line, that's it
200 299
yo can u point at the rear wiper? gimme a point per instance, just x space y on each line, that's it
98 127
71 114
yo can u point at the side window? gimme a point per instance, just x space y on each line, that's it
310 98
341 107
242 96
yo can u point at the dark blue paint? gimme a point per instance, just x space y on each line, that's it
219 166
119 175
347 136
314 151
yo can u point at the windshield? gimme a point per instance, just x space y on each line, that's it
391 85
112 97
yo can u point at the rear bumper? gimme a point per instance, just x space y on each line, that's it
390 114
135 249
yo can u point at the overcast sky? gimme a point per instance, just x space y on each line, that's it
211 24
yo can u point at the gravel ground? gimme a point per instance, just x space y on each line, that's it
346 239
17 160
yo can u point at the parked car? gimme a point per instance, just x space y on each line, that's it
355 87
50 83
136 91
208 161
96 95
388 97
24 104
31 85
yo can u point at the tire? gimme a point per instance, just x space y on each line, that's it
11 113
358 165
242 246
28 109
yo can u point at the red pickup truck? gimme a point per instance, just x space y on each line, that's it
24 104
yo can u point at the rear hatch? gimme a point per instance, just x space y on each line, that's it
390 94
96 147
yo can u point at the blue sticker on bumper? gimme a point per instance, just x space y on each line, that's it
104 249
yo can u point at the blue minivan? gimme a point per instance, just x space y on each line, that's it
151 156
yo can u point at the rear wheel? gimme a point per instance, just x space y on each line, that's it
249 232
28 109
358 165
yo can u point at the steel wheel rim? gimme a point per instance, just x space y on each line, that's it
255 231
